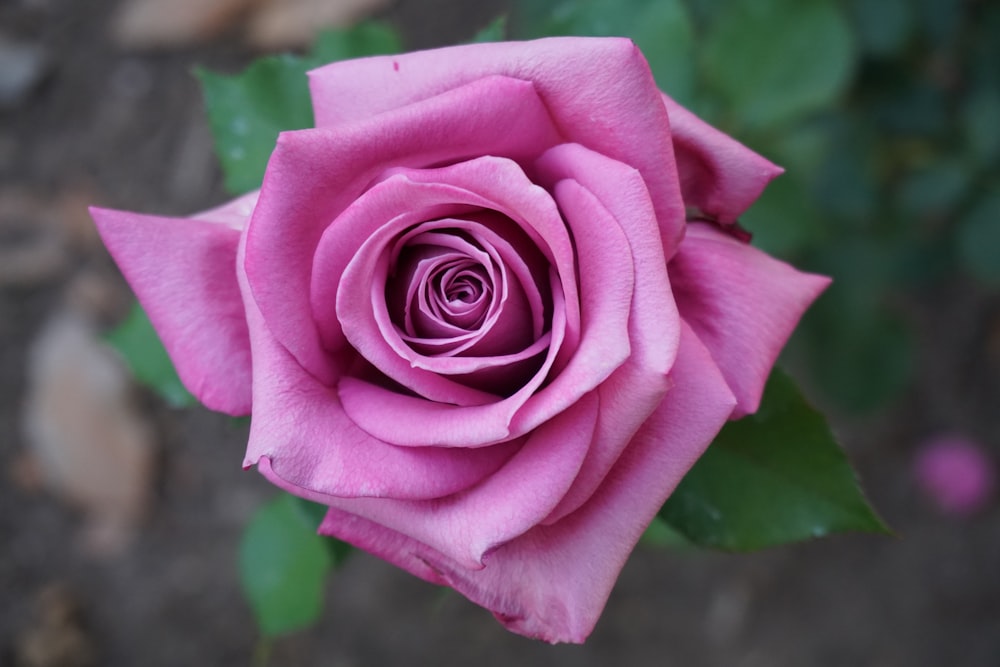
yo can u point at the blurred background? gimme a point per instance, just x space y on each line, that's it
120 515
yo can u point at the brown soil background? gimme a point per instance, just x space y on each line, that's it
126 129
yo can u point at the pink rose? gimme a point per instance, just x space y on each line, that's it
470 316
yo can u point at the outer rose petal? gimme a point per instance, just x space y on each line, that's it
719 176
183 271
552 582
742 303
600 93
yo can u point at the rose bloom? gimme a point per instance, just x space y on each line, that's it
490 311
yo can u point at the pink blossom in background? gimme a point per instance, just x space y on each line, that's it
470 316
956 473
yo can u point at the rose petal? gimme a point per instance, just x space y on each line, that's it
552 582
183 270
720 177
599 91
493 115
742 303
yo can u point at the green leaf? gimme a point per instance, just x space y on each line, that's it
979 239
283 565
773 477
140 346
496 31
662 29
248 110
773 60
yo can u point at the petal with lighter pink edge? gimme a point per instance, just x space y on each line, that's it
720 177
183 271
742 303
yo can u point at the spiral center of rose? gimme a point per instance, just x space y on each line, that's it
461 290
470 287
464 290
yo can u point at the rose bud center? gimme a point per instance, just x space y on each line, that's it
472 287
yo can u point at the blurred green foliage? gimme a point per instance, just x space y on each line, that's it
886 116
284 564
